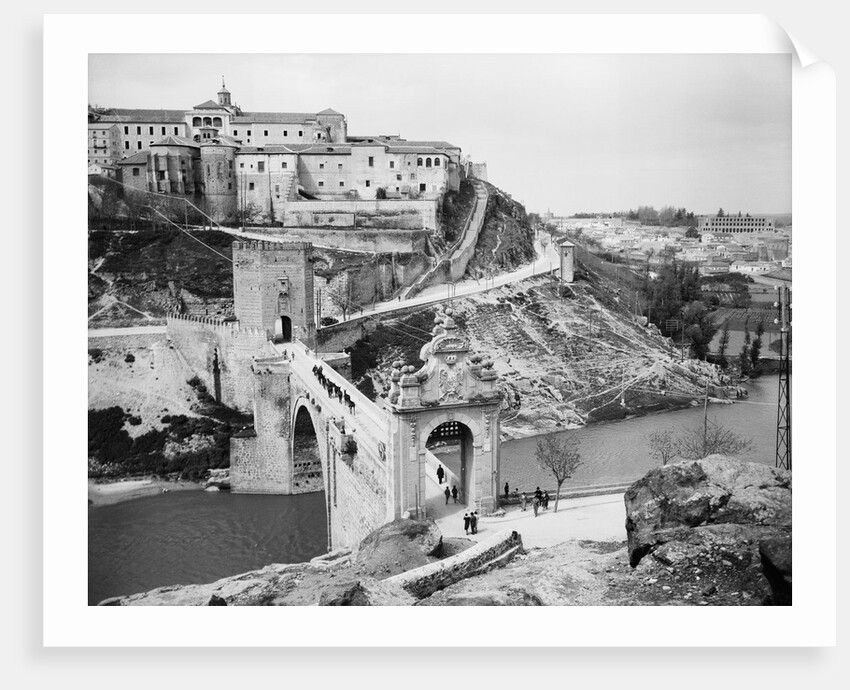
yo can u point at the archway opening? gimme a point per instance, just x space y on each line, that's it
451 444
306 461
286 329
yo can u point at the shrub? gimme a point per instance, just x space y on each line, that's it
96 354
129 358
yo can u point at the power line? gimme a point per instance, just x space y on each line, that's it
167 219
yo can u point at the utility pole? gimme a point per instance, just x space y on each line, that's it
783 410
705 419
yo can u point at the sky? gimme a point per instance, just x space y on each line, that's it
560 132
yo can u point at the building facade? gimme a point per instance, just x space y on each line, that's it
251 164
736 225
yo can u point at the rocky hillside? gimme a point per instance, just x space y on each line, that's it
709 532
567 355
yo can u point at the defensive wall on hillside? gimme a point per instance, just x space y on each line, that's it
374 214
350 239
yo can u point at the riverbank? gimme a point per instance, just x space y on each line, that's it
109 493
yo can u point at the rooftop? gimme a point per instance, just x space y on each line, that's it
142 115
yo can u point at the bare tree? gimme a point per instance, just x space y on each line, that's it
560 456
700 441
662 445
340 293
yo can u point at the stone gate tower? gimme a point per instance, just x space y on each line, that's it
455 396
273 289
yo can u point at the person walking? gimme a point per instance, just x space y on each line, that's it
454 492
535 504
440 474
448 495
473 521
466 522
507 492
523 500
545 500
538 494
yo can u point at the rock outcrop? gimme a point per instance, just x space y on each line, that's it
716 520
398 546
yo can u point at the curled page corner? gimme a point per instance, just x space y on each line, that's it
805 57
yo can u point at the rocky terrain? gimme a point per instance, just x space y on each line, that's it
709 532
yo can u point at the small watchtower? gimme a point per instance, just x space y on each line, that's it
273 289
224 95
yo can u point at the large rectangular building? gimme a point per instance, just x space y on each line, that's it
736 225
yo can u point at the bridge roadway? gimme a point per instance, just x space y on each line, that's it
368 417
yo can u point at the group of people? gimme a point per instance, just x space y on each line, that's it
540 500
333 390
451 494
470 521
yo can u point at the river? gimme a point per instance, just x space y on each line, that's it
195 536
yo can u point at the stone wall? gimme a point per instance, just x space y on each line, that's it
384 214
486 554
347 238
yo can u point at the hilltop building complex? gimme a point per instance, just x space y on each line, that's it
249 167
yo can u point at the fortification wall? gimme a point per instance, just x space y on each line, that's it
208 344
347 238
398 214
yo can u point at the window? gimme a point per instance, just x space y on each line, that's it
230 165
176 131
126 130
419 162
250 185
126 144
392 164
300 132
138 130
216 122
368 183
261 166
398 178
321 166
265 132
341 183
235 132
339 166
321 183
229 186
283 165
139 145
436 162
135 172
241 165
150 131
285 133
249 132
163 131
160 174
196 122
427 162
277 188
422 187
371 161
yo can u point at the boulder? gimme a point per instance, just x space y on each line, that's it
398 546
668 502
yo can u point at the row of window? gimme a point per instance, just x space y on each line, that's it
164 130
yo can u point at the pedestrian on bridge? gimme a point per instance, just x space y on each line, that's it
466 522
448 495
545 500
535 503
473 521
507 493
440 474
523 500
454 492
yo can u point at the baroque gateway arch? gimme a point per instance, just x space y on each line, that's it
313 429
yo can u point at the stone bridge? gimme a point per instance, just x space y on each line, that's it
314 431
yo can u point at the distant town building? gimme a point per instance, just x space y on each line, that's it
734 225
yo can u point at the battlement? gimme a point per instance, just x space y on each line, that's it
269 245
214 324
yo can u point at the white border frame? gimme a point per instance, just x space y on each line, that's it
67 618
